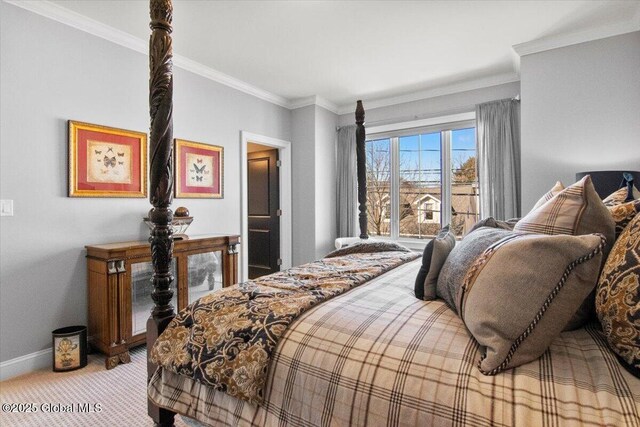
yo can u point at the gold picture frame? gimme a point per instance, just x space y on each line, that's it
106 161
198 169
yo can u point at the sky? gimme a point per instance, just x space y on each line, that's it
420 154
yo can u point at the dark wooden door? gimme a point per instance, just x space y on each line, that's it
264 213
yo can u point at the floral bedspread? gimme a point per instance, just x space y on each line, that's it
225 340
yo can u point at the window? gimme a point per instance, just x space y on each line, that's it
421 179
428 211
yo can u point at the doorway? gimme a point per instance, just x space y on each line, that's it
259 143
263 204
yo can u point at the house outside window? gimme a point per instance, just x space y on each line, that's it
431 208
420 179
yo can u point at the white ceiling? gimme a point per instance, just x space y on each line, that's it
342 51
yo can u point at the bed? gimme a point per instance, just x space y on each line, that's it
377 356
368 352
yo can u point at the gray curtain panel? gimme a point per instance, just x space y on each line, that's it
498 140
347 183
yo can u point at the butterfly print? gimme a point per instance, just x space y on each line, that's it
110 149
199 170
198 178
98 160
121 163
98 151
199 160
120 154
109 161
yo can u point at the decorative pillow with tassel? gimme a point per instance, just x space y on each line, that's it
618 297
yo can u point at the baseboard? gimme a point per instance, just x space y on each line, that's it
25 364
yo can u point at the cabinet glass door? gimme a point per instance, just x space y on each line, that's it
205 274
141 287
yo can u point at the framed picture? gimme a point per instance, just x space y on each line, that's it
198 170
106 162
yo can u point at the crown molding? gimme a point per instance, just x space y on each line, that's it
563 40
107 32
303 102
225 79
313 100
326 104
496 80
82 23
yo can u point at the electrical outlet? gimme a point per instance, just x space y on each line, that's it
6 207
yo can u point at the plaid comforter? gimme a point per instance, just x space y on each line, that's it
377 356
226 339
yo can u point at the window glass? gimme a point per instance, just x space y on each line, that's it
420 185
464 182
379 187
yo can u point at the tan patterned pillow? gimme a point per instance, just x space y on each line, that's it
549 194
619 196
576 210
618 297
513 307
623 214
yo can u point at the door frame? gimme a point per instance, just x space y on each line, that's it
284 155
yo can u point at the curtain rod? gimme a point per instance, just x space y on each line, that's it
464 109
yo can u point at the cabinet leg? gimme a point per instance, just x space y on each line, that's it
112 362
124 357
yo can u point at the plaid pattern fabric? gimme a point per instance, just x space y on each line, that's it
226 338
377 356
556 216
558 187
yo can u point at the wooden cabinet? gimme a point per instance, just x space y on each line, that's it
119 286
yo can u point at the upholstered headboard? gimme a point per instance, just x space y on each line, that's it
606 182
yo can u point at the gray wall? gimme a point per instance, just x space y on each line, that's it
580 111
50 73
313 133
432 107
325 185
303 185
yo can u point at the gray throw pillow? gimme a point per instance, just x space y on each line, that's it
462 257
433 257
519 295
494 223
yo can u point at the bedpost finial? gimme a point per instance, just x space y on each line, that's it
359 113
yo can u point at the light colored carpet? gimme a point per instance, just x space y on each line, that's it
120 393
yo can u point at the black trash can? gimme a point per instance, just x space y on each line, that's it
69 348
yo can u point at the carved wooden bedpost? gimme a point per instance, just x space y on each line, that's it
160 180
361 156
